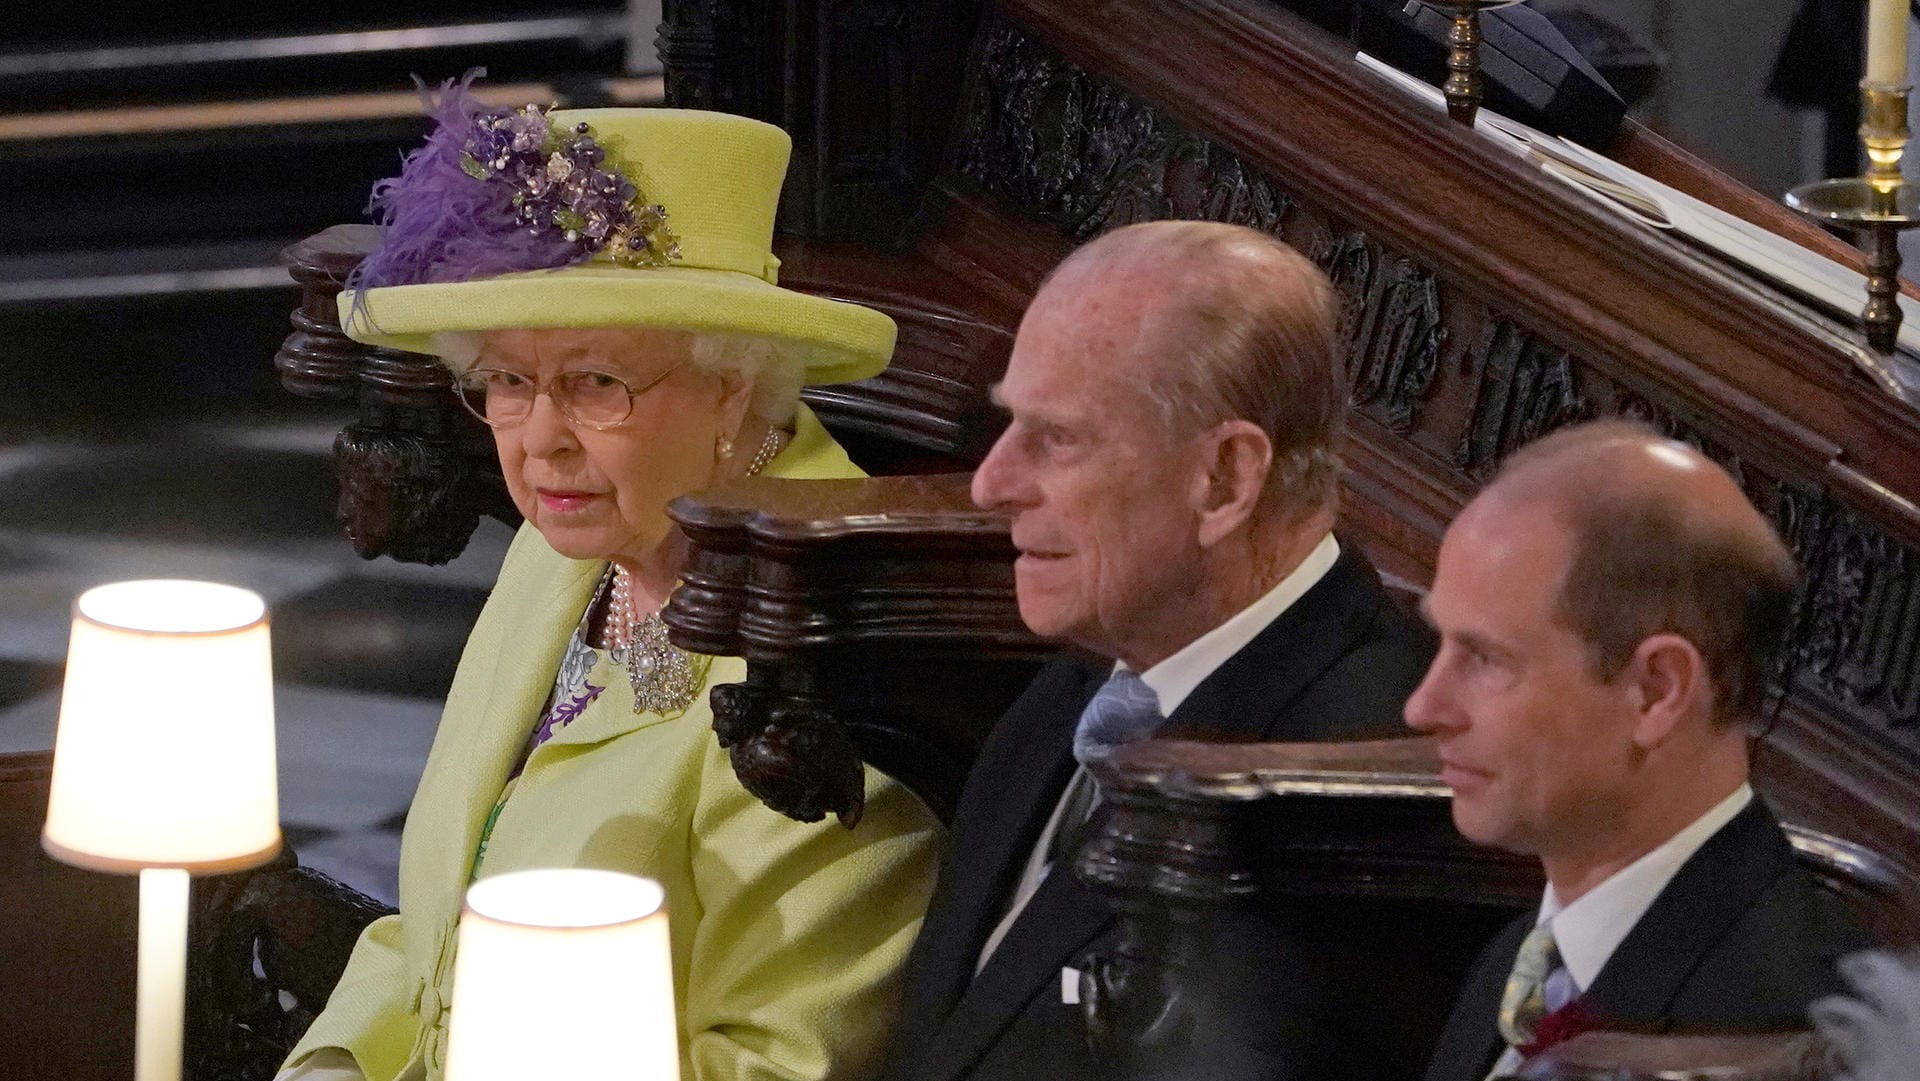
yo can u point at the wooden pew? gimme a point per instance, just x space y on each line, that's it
67 946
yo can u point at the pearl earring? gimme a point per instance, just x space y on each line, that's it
724 447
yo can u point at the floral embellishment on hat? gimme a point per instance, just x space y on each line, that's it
502 191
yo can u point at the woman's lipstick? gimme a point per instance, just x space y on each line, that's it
564 501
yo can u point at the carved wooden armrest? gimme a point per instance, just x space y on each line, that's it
878 623
266 949
1257 884
1625 1056
1208 821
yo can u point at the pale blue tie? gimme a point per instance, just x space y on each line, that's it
1124 711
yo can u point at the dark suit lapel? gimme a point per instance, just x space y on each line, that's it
1247 698
1472 1043
1016 784
1713 890
1060 921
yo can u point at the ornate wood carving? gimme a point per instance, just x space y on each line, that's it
1861 653
698 46
875 616
1335 863
1525 390
1396 342
1075 151
265 949
416 472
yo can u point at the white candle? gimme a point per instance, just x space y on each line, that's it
1887 42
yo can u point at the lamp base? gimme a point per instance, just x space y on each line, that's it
162 982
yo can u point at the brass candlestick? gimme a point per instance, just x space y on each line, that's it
1879 203
1463 58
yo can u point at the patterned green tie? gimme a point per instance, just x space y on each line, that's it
1524 1003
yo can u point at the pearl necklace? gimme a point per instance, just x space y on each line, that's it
664 677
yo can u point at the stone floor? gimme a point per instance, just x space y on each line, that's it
363 651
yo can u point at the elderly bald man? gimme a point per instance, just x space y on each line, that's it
1609 610
1170 471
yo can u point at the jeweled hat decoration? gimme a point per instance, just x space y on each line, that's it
498 191
536 217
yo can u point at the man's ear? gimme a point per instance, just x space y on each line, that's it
1668 684
1235 458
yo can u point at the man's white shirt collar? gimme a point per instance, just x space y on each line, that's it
1587 931
1174 678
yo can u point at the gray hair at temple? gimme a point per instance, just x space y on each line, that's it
1250 331
773 365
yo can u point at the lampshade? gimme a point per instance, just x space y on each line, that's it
563 974
164 755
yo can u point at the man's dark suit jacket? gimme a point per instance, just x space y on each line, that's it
1338 664
1741 940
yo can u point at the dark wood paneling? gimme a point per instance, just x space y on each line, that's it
67 947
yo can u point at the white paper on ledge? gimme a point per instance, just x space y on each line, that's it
1832 285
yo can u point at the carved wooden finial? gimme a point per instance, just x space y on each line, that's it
415 475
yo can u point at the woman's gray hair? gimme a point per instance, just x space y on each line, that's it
774 365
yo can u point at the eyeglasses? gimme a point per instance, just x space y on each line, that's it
595 400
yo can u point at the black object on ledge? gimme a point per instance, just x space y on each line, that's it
1528 69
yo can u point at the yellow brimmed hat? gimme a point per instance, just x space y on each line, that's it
632 217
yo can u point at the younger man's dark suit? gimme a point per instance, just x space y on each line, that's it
1741 940
1338 664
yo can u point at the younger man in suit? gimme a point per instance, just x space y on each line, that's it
1608 610
1176 397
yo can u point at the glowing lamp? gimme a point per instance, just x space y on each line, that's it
163 764
565 974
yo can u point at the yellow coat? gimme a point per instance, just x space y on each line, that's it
787 938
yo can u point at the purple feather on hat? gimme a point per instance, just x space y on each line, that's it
501 191
443 224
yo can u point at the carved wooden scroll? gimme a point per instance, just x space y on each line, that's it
878 625
266 948
1248 877
416 471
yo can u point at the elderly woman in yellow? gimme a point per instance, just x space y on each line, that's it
601 283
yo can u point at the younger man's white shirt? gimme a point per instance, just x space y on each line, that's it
1586 932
